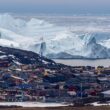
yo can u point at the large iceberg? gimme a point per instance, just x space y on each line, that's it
84 37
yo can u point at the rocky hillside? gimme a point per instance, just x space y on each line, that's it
23 56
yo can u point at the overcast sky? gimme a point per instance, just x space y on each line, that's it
56 6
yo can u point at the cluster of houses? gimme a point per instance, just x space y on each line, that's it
49 84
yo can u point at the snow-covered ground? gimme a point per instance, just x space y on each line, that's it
98 104
33 104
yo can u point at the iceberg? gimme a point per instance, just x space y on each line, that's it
87 38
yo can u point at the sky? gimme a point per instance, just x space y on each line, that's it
56 6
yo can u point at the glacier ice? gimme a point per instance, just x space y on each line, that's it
87 37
